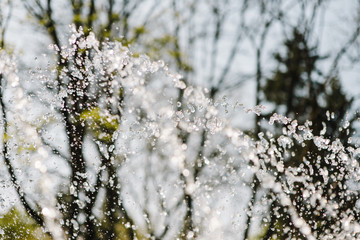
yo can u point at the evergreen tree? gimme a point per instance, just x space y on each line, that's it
299 90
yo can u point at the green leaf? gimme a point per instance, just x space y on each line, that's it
101 123
16 225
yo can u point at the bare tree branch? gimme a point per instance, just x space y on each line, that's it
53 148
343 50
4 24
234 49
6 155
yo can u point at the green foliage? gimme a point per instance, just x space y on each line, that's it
137 33
139 30
167 46
121 230
77 19
92 17
262 234
101 123
156 46
15 225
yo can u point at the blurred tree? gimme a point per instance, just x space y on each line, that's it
109 20
298 90
80 107
202 41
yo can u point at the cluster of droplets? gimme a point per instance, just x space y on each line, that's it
157 122
274 152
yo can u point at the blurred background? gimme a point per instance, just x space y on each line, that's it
299 58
